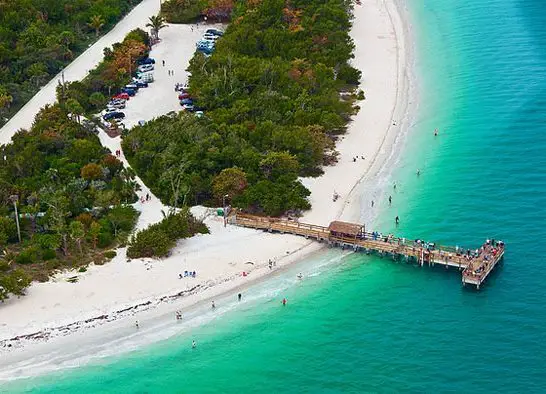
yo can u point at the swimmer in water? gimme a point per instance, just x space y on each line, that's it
435 132
390 200
193 344
300 276
284 301
397 220
418 172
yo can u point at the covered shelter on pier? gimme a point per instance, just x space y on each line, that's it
346 230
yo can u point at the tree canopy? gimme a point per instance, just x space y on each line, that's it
271 95
40 37
70 192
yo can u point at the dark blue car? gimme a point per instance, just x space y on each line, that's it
130 92
148 60
186 101
113 115
141 84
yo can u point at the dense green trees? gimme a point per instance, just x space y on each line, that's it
114 72
271 93
69 190
40 37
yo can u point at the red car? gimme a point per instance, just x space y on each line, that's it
123 96
183 96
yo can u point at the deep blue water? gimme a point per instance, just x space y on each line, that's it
372 325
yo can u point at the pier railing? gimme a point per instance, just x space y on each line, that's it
475 266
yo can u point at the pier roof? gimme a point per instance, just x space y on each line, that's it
345 228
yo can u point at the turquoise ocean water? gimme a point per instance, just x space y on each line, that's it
369 324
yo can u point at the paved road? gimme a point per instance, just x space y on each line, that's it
79 68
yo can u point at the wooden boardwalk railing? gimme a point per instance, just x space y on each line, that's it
475 265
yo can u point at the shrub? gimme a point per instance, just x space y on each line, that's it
82 269
28 256
47 241
48 254
110 254
105 239
4 266
53 264
152 242
159 238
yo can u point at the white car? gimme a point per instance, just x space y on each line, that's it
210 37
145 68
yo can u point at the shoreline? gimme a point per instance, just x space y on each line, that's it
152 282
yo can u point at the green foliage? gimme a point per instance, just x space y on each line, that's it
182 11
38 38
14 282
230 182
28 256
108 77
271 91
110 254
158 239
122 218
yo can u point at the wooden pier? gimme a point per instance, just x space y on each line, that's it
476 265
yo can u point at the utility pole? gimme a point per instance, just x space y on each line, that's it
225 210
14 198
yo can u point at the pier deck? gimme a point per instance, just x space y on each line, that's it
475 265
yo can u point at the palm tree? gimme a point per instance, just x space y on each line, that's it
156 23
96 23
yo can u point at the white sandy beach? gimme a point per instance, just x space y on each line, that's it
220 257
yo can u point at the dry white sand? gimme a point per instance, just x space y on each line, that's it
221 257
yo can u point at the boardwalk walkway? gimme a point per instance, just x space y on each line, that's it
475 265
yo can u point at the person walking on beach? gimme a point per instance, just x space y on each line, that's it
372 203
397 220
213 305
239 296
394 186
390 200
163 62
136 324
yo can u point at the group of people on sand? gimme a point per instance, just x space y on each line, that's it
188 274
118 153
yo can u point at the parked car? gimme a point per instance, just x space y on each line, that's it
130 92
120 104
148 60
141 84
122 96
186 101
145 68
188 107
210 37
145 76
183 95
132 86
215 32
199 114
113 115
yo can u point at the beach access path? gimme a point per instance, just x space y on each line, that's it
221 257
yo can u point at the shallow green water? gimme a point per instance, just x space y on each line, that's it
372 325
